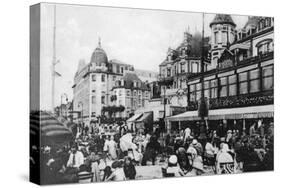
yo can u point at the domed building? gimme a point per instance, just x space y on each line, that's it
93 84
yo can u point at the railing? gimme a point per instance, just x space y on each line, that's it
255 59
235 101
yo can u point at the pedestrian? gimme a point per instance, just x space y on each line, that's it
76 158
118 172
129 168
173 168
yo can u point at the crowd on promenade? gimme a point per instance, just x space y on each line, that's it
94 155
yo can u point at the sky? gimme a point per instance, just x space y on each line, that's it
134 36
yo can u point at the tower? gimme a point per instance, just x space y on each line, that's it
222 35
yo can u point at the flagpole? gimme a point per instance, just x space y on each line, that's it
54 60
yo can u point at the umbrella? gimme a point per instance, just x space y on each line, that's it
52 130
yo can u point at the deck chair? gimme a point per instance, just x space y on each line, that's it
85 177
226 168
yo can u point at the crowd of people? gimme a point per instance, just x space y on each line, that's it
95 155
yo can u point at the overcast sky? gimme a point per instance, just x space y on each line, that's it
134 36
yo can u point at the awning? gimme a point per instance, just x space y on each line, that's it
252 112
239 46
145 117
134 118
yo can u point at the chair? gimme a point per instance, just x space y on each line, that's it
85 177
226 168
209 160
165 174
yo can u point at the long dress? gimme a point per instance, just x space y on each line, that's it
112 149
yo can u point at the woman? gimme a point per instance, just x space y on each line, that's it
183 159
129 168
173 168
118 172
112 148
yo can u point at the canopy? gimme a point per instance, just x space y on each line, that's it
134 118
265 111
240 46
49 127
145 117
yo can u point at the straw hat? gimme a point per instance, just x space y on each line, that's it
194 142
173 159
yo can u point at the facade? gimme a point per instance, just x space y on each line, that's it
181 62
243 78
97 83
130 92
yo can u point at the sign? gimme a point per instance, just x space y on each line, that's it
226 63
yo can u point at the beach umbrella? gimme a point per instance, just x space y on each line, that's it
50 128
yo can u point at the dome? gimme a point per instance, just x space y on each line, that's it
222 19
99 56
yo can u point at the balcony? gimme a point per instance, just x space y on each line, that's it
166 80
256 59
235 101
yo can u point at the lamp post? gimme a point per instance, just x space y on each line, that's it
66 98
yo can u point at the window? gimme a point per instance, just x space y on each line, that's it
265 46
216 37
198 91
207 89
120 93
267 78
254 81
122 70
213 88
223 86
243 83
192 92
113 78
224 36
103 78
93 99
232 88
93 91
102 99
182 67
128 93
93 77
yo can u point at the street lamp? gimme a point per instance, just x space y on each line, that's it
66 98
81 104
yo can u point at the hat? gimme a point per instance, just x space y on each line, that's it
115 164
194 142
229 131
191 150
225 148
173 159
181 150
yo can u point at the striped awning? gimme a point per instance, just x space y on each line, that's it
49 127
251 112
134 117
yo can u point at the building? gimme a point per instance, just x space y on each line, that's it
94 83
240 89
131 92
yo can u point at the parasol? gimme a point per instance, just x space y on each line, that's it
52 131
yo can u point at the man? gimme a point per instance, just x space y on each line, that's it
76 158
187 134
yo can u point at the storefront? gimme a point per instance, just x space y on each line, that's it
239 117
